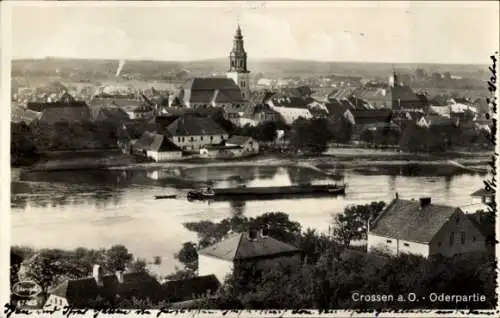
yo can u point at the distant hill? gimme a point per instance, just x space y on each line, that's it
92 69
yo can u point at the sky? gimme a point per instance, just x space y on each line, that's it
393 32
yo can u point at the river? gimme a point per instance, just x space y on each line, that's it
100 208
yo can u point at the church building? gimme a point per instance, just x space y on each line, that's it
232 91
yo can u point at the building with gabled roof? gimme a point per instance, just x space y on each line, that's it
189 289
157 147
192 132
248 144
424 228
211 91
256 248
111 289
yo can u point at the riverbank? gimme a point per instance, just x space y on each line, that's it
346 157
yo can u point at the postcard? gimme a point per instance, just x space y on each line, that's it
249 158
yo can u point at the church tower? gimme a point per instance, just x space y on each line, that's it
238 65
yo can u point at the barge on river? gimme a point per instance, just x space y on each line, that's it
262 193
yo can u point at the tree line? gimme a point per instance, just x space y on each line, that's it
333 269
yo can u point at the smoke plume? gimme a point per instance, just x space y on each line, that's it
120 67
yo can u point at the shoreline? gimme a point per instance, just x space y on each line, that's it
345 157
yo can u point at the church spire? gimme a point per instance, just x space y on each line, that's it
238 56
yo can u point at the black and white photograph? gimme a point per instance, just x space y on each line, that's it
249 155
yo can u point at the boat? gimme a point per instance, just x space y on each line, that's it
170 196
203 194
262 193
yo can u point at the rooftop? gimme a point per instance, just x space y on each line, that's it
190 125
241 247
408 220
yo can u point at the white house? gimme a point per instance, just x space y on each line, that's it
253 247
191 132
485 197
248 144
420 227
289 113
157 147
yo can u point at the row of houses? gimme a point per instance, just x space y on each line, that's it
172 137
419 227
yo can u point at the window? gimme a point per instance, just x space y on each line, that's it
452 238
201 138
406 244
178 138
462 238
439 244
388 241
211 138
458 219
192 138
473 239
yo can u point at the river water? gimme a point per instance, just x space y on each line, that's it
97 209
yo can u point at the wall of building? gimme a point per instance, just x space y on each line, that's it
387 244
251 146
396 247
243 82
163 156
448 245
409 247
290 114
210 265
198 142
139 115
54 301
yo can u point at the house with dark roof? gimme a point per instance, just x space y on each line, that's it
65 109
211 91
182 290
193 132
485 197
64 112
109 113
157 147
424 228
254 247
110 289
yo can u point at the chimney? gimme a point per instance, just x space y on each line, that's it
264 232
252 235
119 276
424 202
97 274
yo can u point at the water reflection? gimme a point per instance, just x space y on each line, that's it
100 208
104 188
237 208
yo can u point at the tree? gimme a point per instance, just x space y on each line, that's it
266 131
23 149
117 258
311 135
188 256
353 223
50 267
